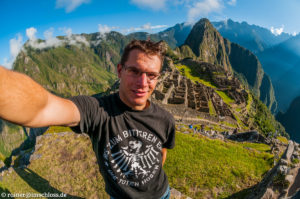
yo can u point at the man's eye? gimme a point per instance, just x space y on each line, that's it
152 75
134 71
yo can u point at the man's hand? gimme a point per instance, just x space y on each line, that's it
25 102
164 155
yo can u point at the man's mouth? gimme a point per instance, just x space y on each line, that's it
140 93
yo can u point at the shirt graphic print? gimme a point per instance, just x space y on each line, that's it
131 161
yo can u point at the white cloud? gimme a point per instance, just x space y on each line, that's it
30 32
145 27
15 46
68 32
203 8
158 26
103 29
74 39
232 2
51 41
294 33
70 5
277 31
153 4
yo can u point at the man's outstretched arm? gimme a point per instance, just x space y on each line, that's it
164 155
25 102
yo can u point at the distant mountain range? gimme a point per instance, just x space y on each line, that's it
252 37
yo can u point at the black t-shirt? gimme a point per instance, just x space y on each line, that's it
127 144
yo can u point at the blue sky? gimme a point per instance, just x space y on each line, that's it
39 18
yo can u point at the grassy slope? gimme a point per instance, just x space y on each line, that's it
200 167
67 165
197 166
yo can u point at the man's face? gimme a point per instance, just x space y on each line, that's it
135 90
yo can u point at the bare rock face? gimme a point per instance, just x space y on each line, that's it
287 156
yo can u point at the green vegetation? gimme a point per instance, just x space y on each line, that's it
249 102
280 181
265 121
67 70
225 97
295 161
257 146
228 124
189 72
283 139
212 110
240 123
200 167
58 129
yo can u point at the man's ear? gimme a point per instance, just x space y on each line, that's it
119 69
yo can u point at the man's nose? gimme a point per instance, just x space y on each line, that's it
143 80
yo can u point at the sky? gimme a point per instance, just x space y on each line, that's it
44 19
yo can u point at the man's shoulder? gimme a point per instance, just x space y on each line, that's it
105 98
162 112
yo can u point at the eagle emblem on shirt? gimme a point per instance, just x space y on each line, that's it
132 161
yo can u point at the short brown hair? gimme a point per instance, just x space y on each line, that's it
147 46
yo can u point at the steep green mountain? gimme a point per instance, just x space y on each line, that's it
66 70
252 37
290 119
208 45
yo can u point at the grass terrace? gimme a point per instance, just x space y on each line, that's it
203 168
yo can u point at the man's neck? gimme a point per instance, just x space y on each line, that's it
137 108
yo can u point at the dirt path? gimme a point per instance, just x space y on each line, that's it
203 120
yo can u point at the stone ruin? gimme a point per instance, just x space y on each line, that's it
175 89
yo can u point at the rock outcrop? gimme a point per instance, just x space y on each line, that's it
282 181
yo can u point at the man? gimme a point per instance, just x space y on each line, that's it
129 133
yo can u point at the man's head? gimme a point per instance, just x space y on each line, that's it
138 71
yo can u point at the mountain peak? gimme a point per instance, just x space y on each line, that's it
207 44
204 22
